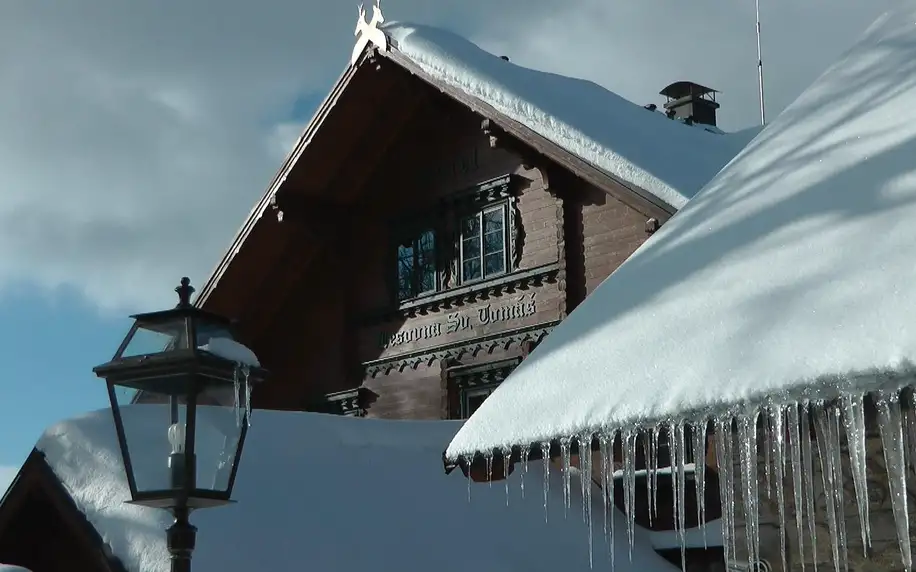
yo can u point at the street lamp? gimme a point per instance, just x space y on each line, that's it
187 358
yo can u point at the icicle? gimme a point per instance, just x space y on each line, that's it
545 459
646 439
890 424
777 439
747 427
564 459
726 487
585 477
797 486
677 470
653 501
909 419
833 435
699 463
767 457
606 443
828 476
808 474
489 459
507 463
584 444
524 462
468 461
237 402
629 484
247 371
854 422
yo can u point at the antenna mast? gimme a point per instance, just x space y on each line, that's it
763 113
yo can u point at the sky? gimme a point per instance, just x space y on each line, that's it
136 136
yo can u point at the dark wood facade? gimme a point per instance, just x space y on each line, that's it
509 241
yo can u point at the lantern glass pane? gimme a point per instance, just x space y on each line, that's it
156 439
218 432
157 338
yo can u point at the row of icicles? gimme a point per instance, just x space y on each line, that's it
780 438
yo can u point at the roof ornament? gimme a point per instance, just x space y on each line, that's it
367 32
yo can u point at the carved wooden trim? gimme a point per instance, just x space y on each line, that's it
458 378
350 403
499 139
561 250
457 297
456 350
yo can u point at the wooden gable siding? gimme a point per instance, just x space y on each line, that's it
453 164
601 233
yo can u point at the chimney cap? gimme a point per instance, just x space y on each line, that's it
681 89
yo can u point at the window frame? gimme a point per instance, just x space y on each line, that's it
479 212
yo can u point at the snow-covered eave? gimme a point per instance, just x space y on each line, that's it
636 197
254 216
474 460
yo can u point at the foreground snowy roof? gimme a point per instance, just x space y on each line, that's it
334 493
667 158
791 275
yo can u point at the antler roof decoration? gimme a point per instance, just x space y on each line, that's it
368 31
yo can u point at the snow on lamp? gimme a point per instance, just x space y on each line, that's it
180 387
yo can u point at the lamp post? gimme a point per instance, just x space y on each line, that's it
175 360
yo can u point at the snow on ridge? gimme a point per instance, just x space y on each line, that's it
789 276
319 483
667 158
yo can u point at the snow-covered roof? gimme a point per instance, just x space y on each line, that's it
791 275
335 493
667 158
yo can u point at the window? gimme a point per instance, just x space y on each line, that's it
483 244
468 386
472 399
417 265
465 238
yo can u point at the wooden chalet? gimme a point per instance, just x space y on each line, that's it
417 244
413 248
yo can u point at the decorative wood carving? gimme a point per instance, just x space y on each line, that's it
652 225
350 402
368 32
487 344
507 284
499 139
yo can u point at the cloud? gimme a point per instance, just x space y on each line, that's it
7 474
135 138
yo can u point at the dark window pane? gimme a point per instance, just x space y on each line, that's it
474 399
470 248
470 269
470 227
417 268
405 271
494 263
426 262
493 242
493 220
